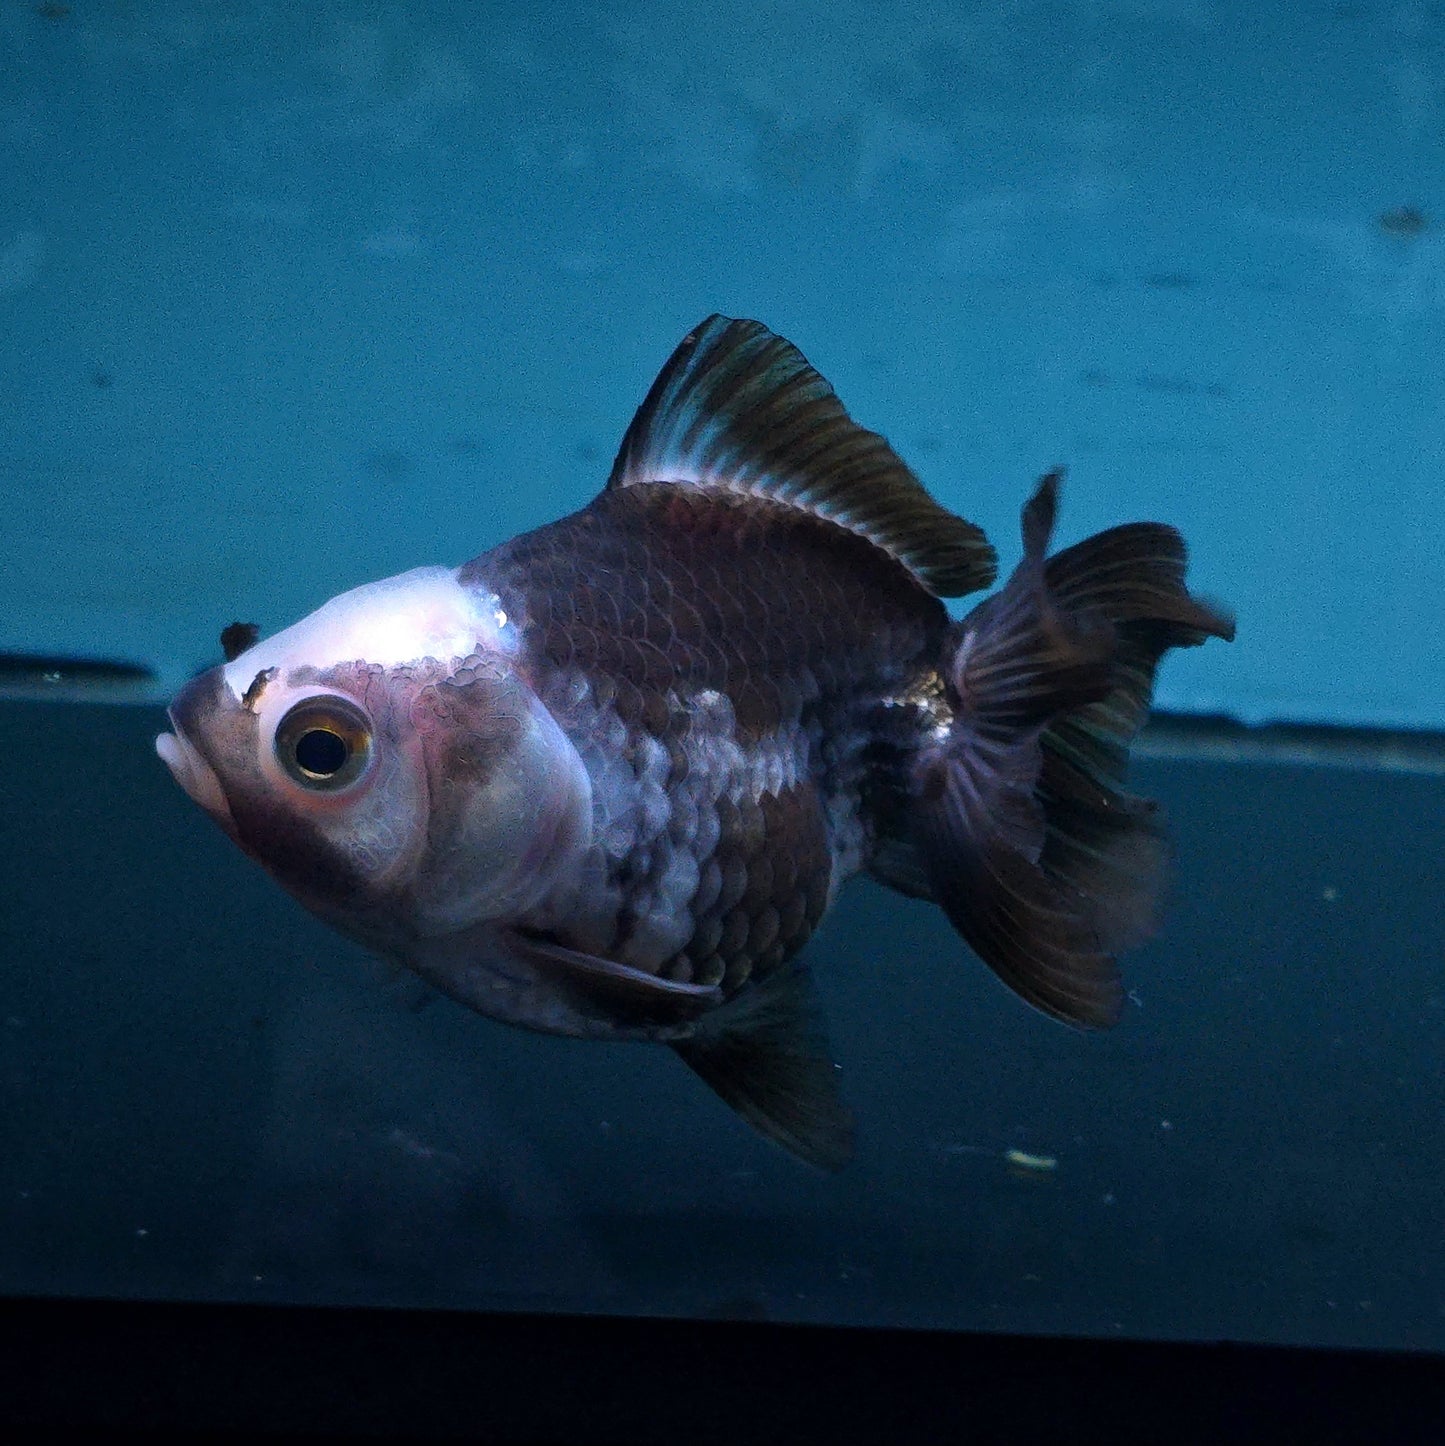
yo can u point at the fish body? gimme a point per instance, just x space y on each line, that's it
606 779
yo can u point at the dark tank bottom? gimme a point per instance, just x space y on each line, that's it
205 1095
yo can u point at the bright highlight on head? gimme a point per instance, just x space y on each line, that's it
425 613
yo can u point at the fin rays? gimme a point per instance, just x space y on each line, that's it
767 1056
1040 858
739 409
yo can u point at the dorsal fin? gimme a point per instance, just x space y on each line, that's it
740 410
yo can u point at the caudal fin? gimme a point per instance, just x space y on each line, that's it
1040 858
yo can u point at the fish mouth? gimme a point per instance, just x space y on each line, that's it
194 774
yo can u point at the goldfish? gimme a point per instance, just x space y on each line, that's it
606 779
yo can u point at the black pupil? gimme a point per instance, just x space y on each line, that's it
320 751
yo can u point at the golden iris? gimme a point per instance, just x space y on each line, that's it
324 743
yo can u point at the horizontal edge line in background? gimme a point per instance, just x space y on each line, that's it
34 677
1212 739
62 678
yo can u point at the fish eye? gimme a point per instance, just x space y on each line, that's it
324 743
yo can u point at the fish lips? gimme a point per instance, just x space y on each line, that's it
181 754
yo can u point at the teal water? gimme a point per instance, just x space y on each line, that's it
295 297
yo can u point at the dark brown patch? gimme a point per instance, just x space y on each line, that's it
776 866
252 696
654 588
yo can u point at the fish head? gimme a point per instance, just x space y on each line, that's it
387 762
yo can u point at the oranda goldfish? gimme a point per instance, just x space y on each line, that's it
606 779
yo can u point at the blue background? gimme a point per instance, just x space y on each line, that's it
295 296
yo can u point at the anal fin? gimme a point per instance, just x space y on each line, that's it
766 1055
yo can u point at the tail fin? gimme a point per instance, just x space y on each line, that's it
1041 860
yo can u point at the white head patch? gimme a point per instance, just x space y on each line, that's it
424 613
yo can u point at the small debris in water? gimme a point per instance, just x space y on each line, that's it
1020 1162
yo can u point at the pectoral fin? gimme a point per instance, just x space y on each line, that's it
602 988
